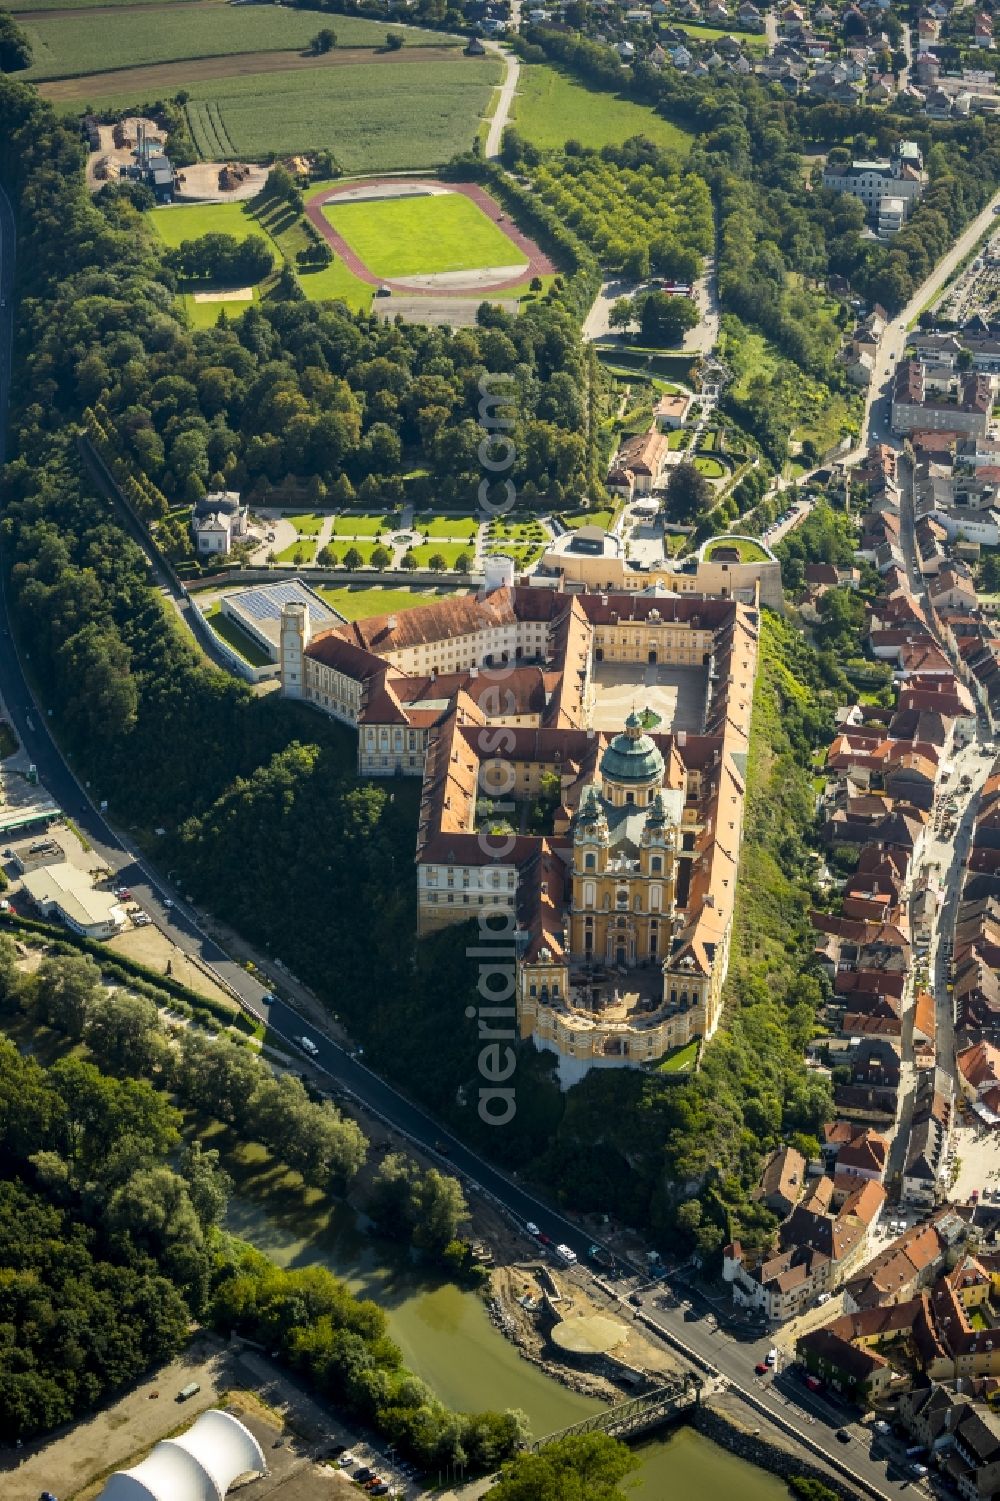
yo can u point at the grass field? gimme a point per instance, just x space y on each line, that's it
589 518
365 525
450 551
357 603
235 636
302 550
749 552
550 109
750 41
446 526
376 116
206 314
419 236
710 467
337 284
188 221
54 5
71 46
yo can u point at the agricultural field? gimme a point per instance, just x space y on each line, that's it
422 235
67 45
551 109
376 116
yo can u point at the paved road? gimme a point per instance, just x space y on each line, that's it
509 86
875 428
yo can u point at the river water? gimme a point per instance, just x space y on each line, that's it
446 1337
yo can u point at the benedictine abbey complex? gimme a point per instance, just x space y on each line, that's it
583 760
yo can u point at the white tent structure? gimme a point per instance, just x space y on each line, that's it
199 1465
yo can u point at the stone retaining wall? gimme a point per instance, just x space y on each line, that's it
762 1451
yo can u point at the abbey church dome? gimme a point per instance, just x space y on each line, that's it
632 757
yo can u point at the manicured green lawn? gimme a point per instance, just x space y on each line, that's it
365 525
341 548
680 437
189 221
303 550
446 526
749 551
306 523
236 637
683 1058
516 531
357 603
523 555
590 518
709 467
335 283
450 551
414 236
551 109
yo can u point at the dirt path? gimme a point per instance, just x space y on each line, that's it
165 79
538 263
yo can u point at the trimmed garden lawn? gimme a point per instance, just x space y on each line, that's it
307 524
709 467
446 526
303 551
589 518
364 525
450 551
341 548
235 636
551 108
523 555
420 235
355 603
749 552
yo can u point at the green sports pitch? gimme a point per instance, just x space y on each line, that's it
422 235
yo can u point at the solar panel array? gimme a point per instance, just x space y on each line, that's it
264 603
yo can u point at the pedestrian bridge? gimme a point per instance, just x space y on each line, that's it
636 1416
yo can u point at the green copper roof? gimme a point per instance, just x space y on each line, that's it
632 757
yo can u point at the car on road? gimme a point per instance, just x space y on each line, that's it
771 1358
347 1458
167 903
546 1240
761 1369
308 1046
565 1254
843 1436
532 1229
881 1426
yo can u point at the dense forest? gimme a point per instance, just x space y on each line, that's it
110 1243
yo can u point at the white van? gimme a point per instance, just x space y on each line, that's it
308 1046
565 1255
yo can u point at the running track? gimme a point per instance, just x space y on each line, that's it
538 263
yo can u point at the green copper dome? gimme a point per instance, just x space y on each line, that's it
632 757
